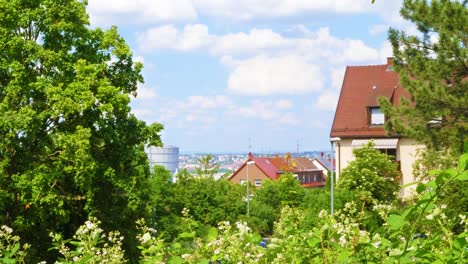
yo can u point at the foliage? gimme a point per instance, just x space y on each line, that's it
207 167
432 68
271 198
420 234
90 245
318 199
11 250
69 148
209 201
162 206
371 176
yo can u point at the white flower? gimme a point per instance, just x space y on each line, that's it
89 224
322 213
7 229
462 217
376 244
429 217
443 206
145 238
185 256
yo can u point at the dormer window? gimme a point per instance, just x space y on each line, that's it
377 118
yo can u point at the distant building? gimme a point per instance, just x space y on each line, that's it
259 169
358 118
165 156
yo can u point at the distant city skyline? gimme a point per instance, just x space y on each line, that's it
220 72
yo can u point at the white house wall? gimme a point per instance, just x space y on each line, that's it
406 153
407 150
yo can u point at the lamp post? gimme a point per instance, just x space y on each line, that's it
332 186
248 183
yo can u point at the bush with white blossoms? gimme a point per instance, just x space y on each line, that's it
11 250
90 245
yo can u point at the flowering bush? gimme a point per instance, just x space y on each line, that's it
422 233
90 245
11 250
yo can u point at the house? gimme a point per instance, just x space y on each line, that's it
258 169
358 118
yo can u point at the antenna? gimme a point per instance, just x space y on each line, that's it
250 146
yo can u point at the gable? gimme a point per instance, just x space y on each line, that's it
362 86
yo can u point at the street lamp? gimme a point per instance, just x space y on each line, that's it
248 183
332 186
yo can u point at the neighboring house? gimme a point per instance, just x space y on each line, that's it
358 118
259 169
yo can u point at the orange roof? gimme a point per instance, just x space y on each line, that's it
273 167
362 86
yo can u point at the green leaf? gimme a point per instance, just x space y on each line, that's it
14 249
395 221
420 188
212 234
463 176
176 260
463 163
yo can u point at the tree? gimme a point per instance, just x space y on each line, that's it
271 198
209 201
207 168
371 176
433 68
69 148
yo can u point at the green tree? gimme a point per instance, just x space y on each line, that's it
164 215
69 146
371 176
271 198
207 168
209 201
433 68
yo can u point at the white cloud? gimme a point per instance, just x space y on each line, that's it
250 9
385 51
315 45
267 111
327 101
256 40
264 75
337 76
108 12
283 104
146 93
169 37
208 102
377 29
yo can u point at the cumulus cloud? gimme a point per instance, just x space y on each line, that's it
327 101
314 45
208 102
109 12
263 75
267 111
146 93
169 37
250 9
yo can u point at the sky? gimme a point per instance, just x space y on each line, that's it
222 73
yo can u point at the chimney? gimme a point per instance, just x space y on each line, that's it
250 155
389 63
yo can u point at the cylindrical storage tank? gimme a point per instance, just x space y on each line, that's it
165 156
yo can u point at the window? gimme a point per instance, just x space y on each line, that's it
376 116
390 152
258 183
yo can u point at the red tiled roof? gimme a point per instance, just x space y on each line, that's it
362 86
266 166
272 167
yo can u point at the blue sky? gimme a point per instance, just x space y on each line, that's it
218 72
